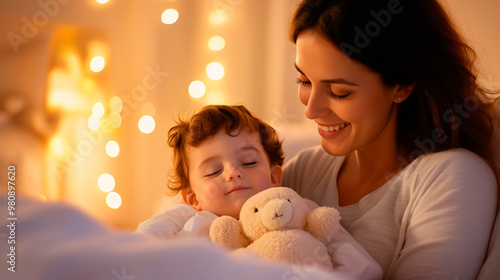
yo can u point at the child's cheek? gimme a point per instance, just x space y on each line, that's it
213 190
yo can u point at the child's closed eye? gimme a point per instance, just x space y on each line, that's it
210 174
249 163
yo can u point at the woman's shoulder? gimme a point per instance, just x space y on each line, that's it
458 157
458 164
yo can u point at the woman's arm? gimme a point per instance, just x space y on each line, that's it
450 217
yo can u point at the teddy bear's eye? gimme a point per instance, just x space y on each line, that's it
255 210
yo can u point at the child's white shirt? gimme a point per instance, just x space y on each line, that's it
182 220
348 256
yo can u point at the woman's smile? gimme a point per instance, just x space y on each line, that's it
331 131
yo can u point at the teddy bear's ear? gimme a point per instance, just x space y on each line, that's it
227 231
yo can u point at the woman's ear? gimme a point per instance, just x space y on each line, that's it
402 92
276 175
189 198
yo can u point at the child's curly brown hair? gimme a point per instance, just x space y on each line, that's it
205 124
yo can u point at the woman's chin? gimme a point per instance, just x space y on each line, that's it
333 149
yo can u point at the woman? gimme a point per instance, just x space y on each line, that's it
407 134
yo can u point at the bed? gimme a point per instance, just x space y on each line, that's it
57 241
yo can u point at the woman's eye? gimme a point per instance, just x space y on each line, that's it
338 96
213 173
303 83
308 83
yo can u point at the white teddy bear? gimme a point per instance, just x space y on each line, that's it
277 224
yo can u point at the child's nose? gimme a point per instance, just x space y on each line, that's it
234 172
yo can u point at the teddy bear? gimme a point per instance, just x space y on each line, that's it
277 224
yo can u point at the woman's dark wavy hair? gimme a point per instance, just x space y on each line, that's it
203 125
414 43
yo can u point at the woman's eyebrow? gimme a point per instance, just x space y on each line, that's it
329 81
298 69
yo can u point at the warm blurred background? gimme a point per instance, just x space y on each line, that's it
89 88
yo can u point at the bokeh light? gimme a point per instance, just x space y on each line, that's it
147 124
114 200
106 182
112 148
102 1
115 104
97 64
197 89
216 43
57 146
93 122
217 17
98 110
215 71
169 16
115 119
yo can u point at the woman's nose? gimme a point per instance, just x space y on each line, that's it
316 103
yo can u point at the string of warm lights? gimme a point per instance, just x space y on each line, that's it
106 115
214 69
146 124
106 182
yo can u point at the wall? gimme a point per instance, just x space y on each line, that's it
479 21
145 53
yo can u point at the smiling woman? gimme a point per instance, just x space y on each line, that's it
342 93
388 84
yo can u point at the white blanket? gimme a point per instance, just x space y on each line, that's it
56 241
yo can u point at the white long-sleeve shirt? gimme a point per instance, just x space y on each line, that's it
431 221
182 220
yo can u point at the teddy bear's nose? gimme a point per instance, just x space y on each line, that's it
276 214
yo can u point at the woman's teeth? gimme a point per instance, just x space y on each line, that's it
333 128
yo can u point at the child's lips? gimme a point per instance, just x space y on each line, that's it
238 188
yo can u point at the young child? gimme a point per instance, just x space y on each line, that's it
222 156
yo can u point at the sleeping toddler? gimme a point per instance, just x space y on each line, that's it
222 156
